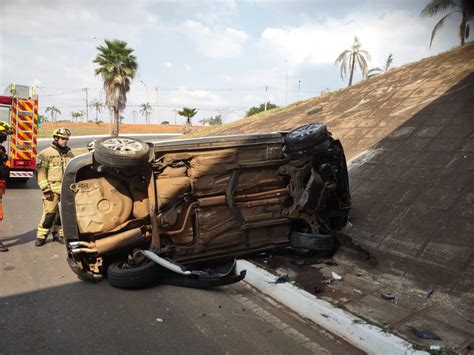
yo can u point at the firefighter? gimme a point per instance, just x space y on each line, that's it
5 130
51 165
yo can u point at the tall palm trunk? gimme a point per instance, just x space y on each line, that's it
116 125
352 69
462 28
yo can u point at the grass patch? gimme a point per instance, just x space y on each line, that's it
337 304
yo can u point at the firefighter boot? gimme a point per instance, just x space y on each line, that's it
3 247
40 242
57 237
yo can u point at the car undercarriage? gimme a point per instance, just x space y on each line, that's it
140 212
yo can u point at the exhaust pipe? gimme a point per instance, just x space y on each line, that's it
134 238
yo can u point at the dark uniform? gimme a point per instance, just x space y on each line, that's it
5 130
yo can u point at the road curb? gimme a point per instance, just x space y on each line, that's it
366 337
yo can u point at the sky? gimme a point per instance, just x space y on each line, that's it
220 57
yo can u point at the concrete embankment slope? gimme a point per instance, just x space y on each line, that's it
413 185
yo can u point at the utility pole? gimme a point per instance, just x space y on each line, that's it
87 104
286 86
157 121
266 96
299 85
134 115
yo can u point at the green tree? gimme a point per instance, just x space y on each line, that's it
350 58
254 110
212 121
188 113
464 7
53 111
117 66
145 110
98 106
380 70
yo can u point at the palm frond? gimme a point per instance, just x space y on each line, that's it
389 62
436 6
438 25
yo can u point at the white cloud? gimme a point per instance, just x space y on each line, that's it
215 43
397 32
168 64
187 67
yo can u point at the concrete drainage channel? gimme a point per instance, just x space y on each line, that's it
366 337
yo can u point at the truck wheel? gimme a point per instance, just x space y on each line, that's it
323 243
121 152
306 137
123 275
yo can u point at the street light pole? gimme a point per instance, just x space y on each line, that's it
146 89
286 85
157 121
299 85
87 104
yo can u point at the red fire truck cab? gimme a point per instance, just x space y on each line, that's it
19 107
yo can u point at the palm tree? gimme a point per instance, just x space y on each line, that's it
117 66
145 110
188 113
75 115
98 106
464 7
376 71
53 111
352 57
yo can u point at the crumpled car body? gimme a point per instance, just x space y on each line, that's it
184 206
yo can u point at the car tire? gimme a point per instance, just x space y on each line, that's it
314 242
121 152
306 137
122 275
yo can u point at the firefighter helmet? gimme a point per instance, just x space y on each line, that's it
62 133
5 128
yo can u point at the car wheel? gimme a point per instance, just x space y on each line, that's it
317 242
121 152
306 137
123 275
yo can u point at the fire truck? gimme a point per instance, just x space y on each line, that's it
19 107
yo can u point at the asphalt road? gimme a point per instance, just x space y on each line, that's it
44 308
79 142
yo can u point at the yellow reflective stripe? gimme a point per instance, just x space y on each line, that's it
42 184
56 189
22 155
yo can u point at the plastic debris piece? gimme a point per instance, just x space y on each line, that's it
358 291
435 347
429 292
424 334
336 276
387 296
280 279
159 320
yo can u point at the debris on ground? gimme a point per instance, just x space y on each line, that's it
280 279
313 261
429 292
336 276
424 334
387 296
435 347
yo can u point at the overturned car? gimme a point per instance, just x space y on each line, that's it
181 211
